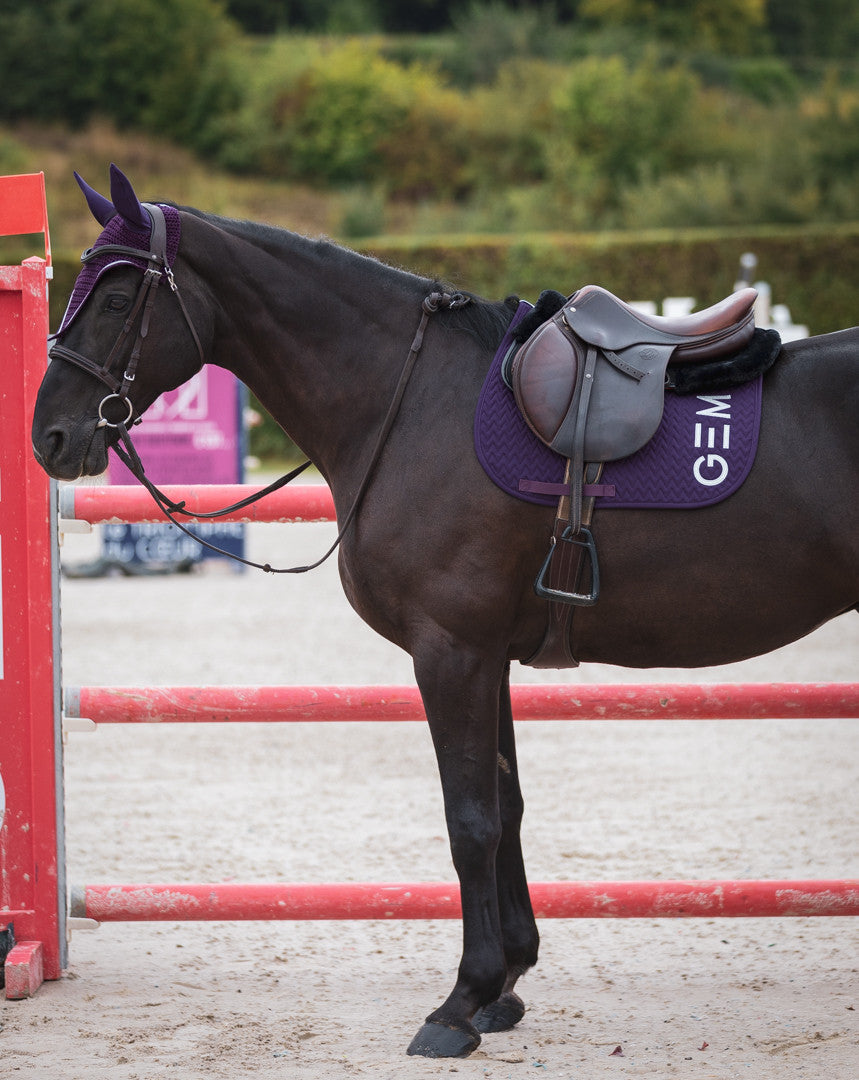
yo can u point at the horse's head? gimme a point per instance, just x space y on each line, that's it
126 336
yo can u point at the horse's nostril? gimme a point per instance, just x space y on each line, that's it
53 443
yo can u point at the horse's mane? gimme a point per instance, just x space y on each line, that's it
483 319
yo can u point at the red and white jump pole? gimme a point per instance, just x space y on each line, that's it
133 505
436 900
88 705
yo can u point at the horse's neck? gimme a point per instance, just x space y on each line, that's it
320 335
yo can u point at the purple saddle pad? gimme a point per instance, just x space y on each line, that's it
701 453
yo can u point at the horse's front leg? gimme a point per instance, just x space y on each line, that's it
518 928
461 694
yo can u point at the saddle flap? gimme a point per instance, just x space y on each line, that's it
626 395
625 411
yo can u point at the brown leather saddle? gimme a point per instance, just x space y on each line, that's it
590 382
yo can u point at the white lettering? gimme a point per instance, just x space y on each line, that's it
712 461
712 469
720 405
189 402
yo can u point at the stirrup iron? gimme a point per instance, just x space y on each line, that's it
584 539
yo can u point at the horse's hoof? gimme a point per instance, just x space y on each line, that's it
500 1015
440 1041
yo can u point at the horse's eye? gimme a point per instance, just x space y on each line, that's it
116 303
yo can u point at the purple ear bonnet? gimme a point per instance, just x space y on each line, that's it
126 221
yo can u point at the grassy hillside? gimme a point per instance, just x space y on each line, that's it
159 170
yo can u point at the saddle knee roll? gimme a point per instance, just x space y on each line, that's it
626 398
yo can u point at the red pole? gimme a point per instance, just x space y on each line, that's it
32 890
552 900
128 503
206 704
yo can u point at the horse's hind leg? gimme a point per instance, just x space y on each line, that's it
518 928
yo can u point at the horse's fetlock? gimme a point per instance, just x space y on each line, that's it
485 978
493 988
521 953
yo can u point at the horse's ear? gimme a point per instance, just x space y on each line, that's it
125 201
102 209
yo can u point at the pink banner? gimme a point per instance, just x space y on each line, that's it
192 435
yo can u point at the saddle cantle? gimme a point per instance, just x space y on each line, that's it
601 363
590 382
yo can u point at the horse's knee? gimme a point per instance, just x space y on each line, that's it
475 834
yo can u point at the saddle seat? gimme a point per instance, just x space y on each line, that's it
590 381
704 335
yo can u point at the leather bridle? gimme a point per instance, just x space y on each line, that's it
158 268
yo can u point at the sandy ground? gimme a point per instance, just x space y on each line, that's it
764 999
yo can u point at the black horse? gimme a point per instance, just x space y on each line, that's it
437 558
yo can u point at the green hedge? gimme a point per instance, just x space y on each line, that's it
811 269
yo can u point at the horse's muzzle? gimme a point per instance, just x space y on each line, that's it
69 455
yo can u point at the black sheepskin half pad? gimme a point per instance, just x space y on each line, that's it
548 304
711 375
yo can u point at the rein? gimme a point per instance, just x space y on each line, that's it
158 267
131 459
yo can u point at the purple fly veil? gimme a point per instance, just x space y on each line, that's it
102 209
126 222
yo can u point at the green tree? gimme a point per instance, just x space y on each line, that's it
267 16
615 125
823 30
135 61
730 26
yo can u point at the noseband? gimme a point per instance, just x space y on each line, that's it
157 268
